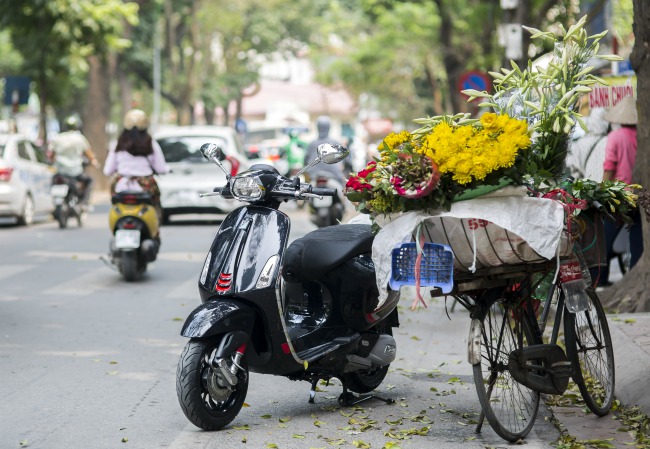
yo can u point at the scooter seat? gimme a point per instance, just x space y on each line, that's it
310 257
131 197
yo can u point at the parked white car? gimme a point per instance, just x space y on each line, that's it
191 173
25 179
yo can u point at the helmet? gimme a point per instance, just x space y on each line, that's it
136 118
73 123
323 126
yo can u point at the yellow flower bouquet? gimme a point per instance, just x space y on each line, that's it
433 166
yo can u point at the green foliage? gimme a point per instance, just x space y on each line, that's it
54 37
11 60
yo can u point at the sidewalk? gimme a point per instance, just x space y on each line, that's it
631 341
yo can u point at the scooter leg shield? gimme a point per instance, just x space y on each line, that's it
218 317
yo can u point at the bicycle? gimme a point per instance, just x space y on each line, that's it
512 365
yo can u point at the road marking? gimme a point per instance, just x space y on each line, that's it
64 255
186 290
11 270
173 256
192 437
182 257
84 284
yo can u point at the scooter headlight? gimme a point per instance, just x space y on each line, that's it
247 188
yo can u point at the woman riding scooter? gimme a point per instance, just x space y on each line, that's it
136 158
136 213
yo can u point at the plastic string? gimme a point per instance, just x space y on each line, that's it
419 238
473 267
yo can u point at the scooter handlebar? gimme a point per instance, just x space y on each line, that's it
323 191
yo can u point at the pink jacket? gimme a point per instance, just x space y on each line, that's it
125 164
620 153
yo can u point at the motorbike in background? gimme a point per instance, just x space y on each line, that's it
328 210
67 192
134 223
306 311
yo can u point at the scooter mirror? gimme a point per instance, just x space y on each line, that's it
211 151
331 153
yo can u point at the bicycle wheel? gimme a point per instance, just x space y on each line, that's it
510 407
589 348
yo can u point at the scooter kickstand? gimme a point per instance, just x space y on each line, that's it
347 399
312 392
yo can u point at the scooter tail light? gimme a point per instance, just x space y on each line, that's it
129 199
224 282
321 181
5 174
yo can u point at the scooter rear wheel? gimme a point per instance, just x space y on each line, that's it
129 265
61 213
207 400
365 381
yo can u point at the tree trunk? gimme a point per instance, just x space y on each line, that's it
96 115
450 58
631 294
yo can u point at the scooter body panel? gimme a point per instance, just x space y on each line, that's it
217 317
134 227
143 212
247 240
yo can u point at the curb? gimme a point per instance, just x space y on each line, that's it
631 340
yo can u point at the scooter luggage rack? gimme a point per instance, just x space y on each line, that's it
436 266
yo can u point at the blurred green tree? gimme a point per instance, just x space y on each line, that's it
212 51
56 37
409 55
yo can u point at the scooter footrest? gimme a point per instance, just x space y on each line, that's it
316 353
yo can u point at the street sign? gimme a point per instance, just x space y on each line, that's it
474 80
16 90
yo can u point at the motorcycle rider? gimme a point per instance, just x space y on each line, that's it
67 153
136 158
294 151
323 125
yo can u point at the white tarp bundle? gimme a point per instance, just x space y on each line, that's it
502 227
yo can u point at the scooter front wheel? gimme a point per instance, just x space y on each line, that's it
208 400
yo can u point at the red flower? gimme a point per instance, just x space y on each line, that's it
357 184
371 167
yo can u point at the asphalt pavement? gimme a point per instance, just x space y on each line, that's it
631 340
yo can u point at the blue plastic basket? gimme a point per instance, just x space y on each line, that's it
436 266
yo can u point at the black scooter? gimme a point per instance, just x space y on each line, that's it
66 192
328 210
306 312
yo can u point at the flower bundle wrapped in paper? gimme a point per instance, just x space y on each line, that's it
431 171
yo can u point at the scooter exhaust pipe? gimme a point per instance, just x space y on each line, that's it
149 249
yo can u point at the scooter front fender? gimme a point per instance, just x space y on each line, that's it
217 317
